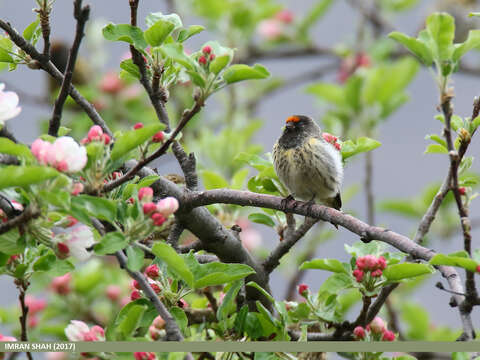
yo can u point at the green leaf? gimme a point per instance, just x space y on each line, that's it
187 33
135 257
125 32
240 72
129 320
213 180
417 320
459 261
437 139
313 15
441 28
111 242
238 179
180 318
472 42
7 146
336 283
156 34
363 144
229 300
331 93
131 68
175 52
5 47
174 261
402 271
30 30
219 64
133 138
260 218
10 244
45 262
13 176
97 207
436 149
153 18
262 290
332 265
215 273
196 78
416 46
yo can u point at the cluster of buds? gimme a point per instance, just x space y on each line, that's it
64 154
303 290
157 326
35 306
152 272
207 56
158 212
96 134
350 64
159 137
79 331
142 355
369 264
332 140
375 331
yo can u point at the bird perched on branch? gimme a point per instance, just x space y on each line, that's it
308 162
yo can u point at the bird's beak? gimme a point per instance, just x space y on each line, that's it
290 125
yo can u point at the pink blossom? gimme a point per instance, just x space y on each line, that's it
377 325
144 355
167 206
182 303
381 263
61 284
79 331
56 356
149 207
286 16
270 29
154 333
78 239
137 126
8 105
34 305
7 338
359 332
32 321
158 322
95 133
251 238
159 136
370 262
329 138
135 295
66 155
113 292
40 150
145 194
202 60
358 274
152 271
111 83
388 335
77 188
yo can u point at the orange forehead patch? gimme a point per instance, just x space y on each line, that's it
293 119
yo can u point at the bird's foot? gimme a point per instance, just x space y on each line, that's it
285 203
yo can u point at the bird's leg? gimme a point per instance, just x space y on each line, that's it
309 205
286 201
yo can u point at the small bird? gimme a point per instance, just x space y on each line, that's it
308 162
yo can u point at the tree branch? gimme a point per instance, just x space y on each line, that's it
22 287
187 164
81 15
21 219
48 66
4 132
379 301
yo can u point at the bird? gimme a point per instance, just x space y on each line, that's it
309 162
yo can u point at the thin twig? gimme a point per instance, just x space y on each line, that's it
379 301
48 66
44 15
362 319
4 132
81 15
23 317
21 219
187 164
187 115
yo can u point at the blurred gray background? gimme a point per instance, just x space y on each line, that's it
400 167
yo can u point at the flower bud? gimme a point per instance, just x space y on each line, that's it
359 332
154 333
71 221
77 188
462 190
477 269
358 274
207 50
152 271
202 60
377 273
381 263
63 250
106 139
303 289
155 288
377 325
167 206
137 126
158 137
464 135
95 133
337 146
388 336
286 16
111 83
113 292
159 323
149 208
136 285
182 303
211 57
61 284
158 219
361 263
370 262
329 138
135 295
145 194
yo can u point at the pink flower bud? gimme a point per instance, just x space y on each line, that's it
149 207
95 133
286 16
477 269
270 29
89 336
84 141
34 305
40 150
32 322
388 336
167 206
377 325
381 263
131 200
98 331
136 285
71 221
370 262
462 190
377 273
202 60
77 188
211 57
145 193
154 333
111 83
155 288
361 263
13 258
152 271
61 284
137 126
359 332
144 356
362 60
158 137
303 289
182 303
358 274
135 295
7 338
106 139
158 219
337 146
207 50
159 323
63 250
113 292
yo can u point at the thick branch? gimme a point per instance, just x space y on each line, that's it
56 74
81 15
187 164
